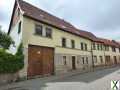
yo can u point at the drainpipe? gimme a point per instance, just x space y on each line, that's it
104 55
92 57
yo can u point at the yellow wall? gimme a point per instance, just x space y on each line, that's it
30 38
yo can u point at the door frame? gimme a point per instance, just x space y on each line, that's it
74 63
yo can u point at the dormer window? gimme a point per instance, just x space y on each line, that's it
64 26
41 15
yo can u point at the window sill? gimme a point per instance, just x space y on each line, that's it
43 36
73 48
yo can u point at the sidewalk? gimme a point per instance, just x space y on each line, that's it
50 78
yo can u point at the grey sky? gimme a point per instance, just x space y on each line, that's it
101 17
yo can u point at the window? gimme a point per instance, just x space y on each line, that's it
83 60
63 42
86 47
106 48
18 12
19 27
64 60
38 29
94 46
113 49
48 32
101 59
101 48
98 47
73 43
82 46
95 59
86 60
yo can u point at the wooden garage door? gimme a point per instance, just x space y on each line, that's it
40 60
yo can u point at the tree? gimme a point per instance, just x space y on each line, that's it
5 40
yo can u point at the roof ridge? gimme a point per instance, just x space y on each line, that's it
46 12
34 12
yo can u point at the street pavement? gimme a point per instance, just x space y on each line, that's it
97 80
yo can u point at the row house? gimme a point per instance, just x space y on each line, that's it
54 46
106 52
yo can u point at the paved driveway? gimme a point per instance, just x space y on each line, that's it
98 80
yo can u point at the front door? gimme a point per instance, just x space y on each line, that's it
40 60
115 60
73 63
107 60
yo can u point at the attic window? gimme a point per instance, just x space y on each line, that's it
64 26
41 15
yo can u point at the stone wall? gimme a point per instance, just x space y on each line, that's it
7 78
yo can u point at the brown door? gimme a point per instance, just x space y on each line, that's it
115 60
40 60
48 56
73 63
107 59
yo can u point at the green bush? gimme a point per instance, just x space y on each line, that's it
11 63
5 40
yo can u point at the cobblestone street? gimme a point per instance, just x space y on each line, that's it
98 80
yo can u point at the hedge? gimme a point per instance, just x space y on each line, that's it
11 63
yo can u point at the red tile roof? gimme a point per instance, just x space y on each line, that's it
44 17
109 42
40 15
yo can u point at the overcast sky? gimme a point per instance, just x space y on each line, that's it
101 17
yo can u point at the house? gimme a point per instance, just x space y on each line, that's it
107 52
52 45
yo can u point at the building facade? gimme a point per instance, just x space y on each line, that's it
54 46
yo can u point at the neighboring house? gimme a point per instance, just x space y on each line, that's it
106 53
52 45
